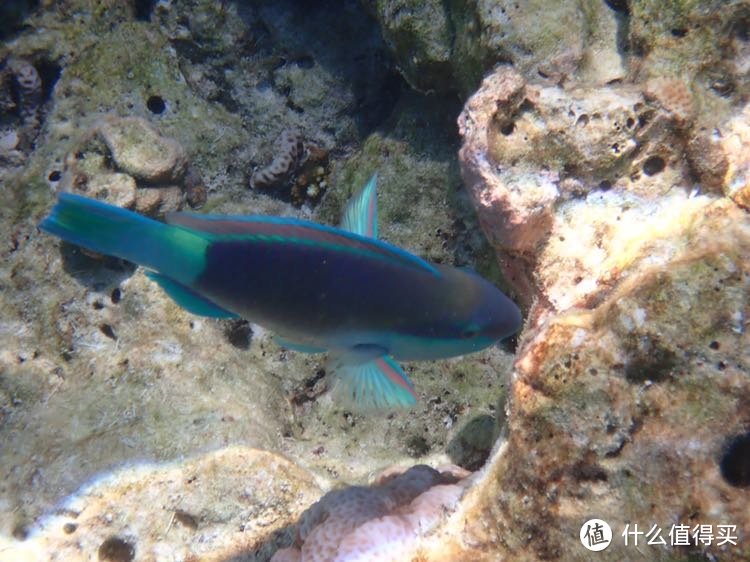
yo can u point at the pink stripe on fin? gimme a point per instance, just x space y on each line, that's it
395 374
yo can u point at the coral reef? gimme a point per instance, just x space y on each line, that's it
383 522
630 376
608 167
146 379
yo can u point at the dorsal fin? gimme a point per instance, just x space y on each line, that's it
361 213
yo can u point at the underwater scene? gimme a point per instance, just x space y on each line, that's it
374 280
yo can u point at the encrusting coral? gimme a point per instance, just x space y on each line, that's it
383 522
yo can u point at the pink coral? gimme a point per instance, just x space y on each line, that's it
382 522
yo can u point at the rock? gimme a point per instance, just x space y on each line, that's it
116 189
419 34
631 375
734 138
138 149
446 47
213 507
155 202
534 154
92 170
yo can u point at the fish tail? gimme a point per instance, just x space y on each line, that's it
176 252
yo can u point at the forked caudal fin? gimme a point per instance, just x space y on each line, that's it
176 252
378 384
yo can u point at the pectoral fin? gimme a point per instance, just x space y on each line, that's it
378 383
189 299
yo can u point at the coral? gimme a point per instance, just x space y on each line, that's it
29 90
630 376
382 522
288 156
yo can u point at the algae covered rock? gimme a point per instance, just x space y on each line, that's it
139 150
447 46
128 163
629 387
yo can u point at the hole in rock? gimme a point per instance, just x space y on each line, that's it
143 9
508 128
107 330
735 462
115 549
654 165
156 105
239 333
304 62
619 6
49 72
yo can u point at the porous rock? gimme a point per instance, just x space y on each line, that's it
631 377
138 149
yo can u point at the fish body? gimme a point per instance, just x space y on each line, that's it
319 288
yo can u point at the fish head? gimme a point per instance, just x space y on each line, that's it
468 314
482 314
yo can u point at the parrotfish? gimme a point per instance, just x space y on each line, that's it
319 288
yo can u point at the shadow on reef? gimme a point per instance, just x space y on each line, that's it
94 272
288 40
341 37
471 446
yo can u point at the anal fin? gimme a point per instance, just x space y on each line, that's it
377 384
189 299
